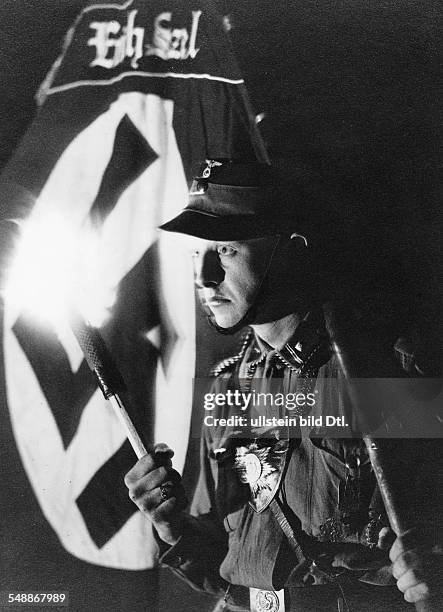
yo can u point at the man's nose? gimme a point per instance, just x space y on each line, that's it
208 270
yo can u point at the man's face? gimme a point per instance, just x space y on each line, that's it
228 275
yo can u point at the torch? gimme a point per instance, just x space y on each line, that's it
350 361
59 272
109 378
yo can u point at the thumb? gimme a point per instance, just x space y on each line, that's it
386 538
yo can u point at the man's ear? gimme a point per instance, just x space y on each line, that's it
299 240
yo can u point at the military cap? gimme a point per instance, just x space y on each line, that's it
232 200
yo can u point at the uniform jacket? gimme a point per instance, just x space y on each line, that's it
327 487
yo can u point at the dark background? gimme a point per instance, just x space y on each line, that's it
352 90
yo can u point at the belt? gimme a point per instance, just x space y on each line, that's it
267 601
344 595
336 597
327 597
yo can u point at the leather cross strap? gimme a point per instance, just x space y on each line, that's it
278 512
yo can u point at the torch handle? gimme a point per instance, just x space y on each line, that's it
131 432
98 356
108 375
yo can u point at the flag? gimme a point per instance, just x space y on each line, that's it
141 92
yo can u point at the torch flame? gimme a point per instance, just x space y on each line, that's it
57 268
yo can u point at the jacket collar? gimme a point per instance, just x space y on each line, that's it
307 336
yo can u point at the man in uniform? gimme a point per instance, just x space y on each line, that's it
286 515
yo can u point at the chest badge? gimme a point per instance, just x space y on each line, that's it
261 467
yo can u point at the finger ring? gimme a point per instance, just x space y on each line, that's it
164 491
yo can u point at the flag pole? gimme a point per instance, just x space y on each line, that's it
109 378
377 452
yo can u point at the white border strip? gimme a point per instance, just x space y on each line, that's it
160 75
120 7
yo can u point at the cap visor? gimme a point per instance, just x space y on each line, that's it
212 227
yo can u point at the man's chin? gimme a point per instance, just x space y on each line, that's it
226 321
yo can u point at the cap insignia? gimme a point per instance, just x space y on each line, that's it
210 163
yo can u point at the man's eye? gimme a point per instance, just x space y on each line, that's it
225 249
195 253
